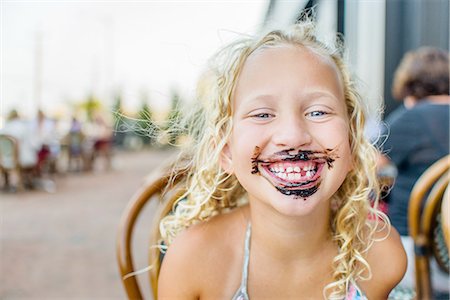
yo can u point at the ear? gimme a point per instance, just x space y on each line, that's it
226 162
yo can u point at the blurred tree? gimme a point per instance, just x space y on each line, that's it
120 126
91 105
174 116
117 109
145 125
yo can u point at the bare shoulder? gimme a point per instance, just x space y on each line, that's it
387 260
195 257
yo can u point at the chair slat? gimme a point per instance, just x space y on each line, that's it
162 184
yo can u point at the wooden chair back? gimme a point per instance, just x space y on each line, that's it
10 161
445 209
9 153
76 155
425 223
164 186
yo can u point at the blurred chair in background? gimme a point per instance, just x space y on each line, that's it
445 209
10 164
76 155
17 135
74 142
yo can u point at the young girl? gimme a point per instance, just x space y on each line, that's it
279 181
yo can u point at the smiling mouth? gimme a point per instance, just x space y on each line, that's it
293 174
296 178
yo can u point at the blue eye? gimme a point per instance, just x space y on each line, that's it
262 115
317 113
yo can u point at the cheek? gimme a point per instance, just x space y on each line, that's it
331 135
242 151
242 148
337 136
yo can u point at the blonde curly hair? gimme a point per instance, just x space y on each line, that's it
211 191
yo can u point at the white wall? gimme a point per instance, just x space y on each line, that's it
365 37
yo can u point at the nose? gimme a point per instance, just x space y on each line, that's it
291 131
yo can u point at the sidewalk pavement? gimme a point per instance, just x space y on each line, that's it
62 245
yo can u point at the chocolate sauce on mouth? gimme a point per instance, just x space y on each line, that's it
255 160
298 193
328 156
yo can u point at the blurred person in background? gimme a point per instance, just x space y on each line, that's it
45 131
100 134
416 136
74 141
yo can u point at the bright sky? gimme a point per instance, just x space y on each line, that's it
102 46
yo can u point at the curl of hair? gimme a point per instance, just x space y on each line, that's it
210 190
355 220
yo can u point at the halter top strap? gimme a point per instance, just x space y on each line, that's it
241 293
353 291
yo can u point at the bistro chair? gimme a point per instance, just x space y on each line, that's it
446 216
425 224
164 186
77 161
9 160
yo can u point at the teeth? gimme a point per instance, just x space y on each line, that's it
310 173
295 176
294 172
282 175
295 169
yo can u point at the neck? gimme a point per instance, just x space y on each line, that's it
439 99
410 101
290 238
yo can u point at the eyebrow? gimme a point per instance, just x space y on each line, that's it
261 97
308 95
317 94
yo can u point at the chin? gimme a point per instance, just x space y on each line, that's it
293 206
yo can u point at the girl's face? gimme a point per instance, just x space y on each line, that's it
289 146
